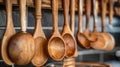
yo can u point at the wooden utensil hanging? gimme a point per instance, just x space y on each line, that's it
41 54
10 31
82 38
21 47
111 42
72 23
56 44
67 34
97 39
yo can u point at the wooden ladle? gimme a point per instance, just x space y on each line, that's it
81 38
67 34
10 31
104 40
97 39
21 47
72 23
41 56
56 44
111 42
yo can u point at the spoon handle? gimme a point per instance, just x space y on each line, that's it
88 12
111 11
95 15
103 14
80 12
23 14
72 15
55 14
66 10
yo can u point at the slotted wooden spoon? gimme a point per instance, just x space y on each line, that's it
56 44
10 31
67 33
41 56
21 47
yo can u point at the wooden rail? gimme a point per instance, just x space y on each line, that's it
46 4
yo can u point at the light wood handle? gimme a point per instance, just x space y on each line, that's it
72 15
38 8
95 15
88 12
111 11
9 12
103 14
38 15
80 12
66 10
55 14
23 14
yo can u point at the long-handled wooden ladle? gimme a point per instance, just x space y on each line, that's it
97 39
56 44
41 56
72 23
8 33
67 33
104 40
21 47
68 61
81 37
111 42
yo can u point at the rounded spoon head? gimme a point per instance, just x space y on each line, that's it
56 48
70 44
41 54
21 48
82 40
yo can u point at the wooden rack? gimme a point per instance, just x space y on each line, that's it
46 4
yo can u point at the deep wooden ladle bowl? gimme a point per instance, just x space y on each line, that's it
21 47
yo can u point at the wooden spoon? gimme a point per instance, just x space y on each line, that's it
70 60
56 44
81 38
111 11
21 47
41 56
97 39
103 40
72 23
111 42
10 31
67 34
